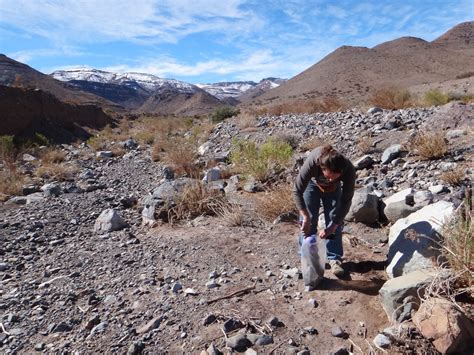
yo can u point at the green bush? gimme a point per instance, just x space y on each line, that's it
7 147
40 140
435 97
260 161
221 113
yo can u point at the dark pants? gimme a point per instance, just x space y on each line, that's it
313 197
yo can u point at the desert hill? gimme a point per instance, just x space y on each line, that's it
26 112
13 73
354 73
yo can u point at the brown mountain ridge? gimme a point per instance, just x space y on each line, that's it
352 74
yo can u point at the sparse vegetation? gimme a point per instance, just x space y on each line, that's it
54 171
177 151
391 99
260 161
454 177
11 181
327 104
52 156
231 213
221 113
465 75
8 150
429 145
196 200
275 202
436 98
459 243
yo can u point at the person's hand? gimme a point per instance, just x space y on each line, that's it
305 227
328 231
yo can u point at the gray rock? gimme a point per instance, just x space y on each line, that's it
396 290
176 287
232 324
212 350
136 348
341 350
250 352
152 324
423 198
205 148
382 341
30 189
337 332
364 207
455 133
399 209
238 342
374 110
108 221
412 240
260 339
211 175
4 266
253 187
212 284
209 319
437 189
104 154
391 153
364 162
303 352
28 157
61 328
130 144
51 190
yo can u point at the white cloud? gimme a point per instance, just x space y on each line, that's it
140 20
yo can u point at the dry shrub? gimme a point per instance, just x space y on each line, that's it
429 145
118 150
312 143
454 177
327 104
11 181
145 137
391 98
231 213
177 151
52 156
53 171
246 120
458 247
275 202
196 200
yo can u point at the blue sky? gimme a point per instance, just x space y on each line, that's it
208 41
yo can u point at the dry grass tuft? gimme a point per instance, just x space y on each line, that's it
275 202
429 145
11 181
231 213
458 245
246 120
52 156
326 104
454 177
179 152
196 200
391 99
53 171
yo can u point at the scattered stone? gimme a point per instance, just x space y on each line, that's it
275 322
337 332
313 303
152 324
209 319
176 287
136 348
231 325
51 190
364 207
191 291
61 328
382 341
212 284
108 221
104 154
238 342
212 350
364 162
391 153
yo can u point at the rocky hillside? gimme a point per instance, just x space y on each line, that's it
92 264
352 74
26 112
13 73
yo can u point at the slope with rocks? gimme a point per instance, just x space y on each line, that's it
13 73
352 74
70 286
26 112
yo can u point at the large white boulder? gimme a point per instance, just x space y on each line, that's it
412 240
108 221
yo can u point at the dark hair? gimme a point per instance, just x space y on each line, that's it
331 159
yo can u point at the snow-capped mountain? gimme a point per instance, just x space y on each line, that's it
147 82
225 90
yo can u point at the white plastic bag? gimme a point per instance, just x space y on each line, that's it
313 260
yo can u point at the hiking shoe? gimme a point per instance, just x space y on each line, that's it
336 268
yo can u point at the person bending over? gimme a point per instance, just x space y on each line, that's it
319 181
